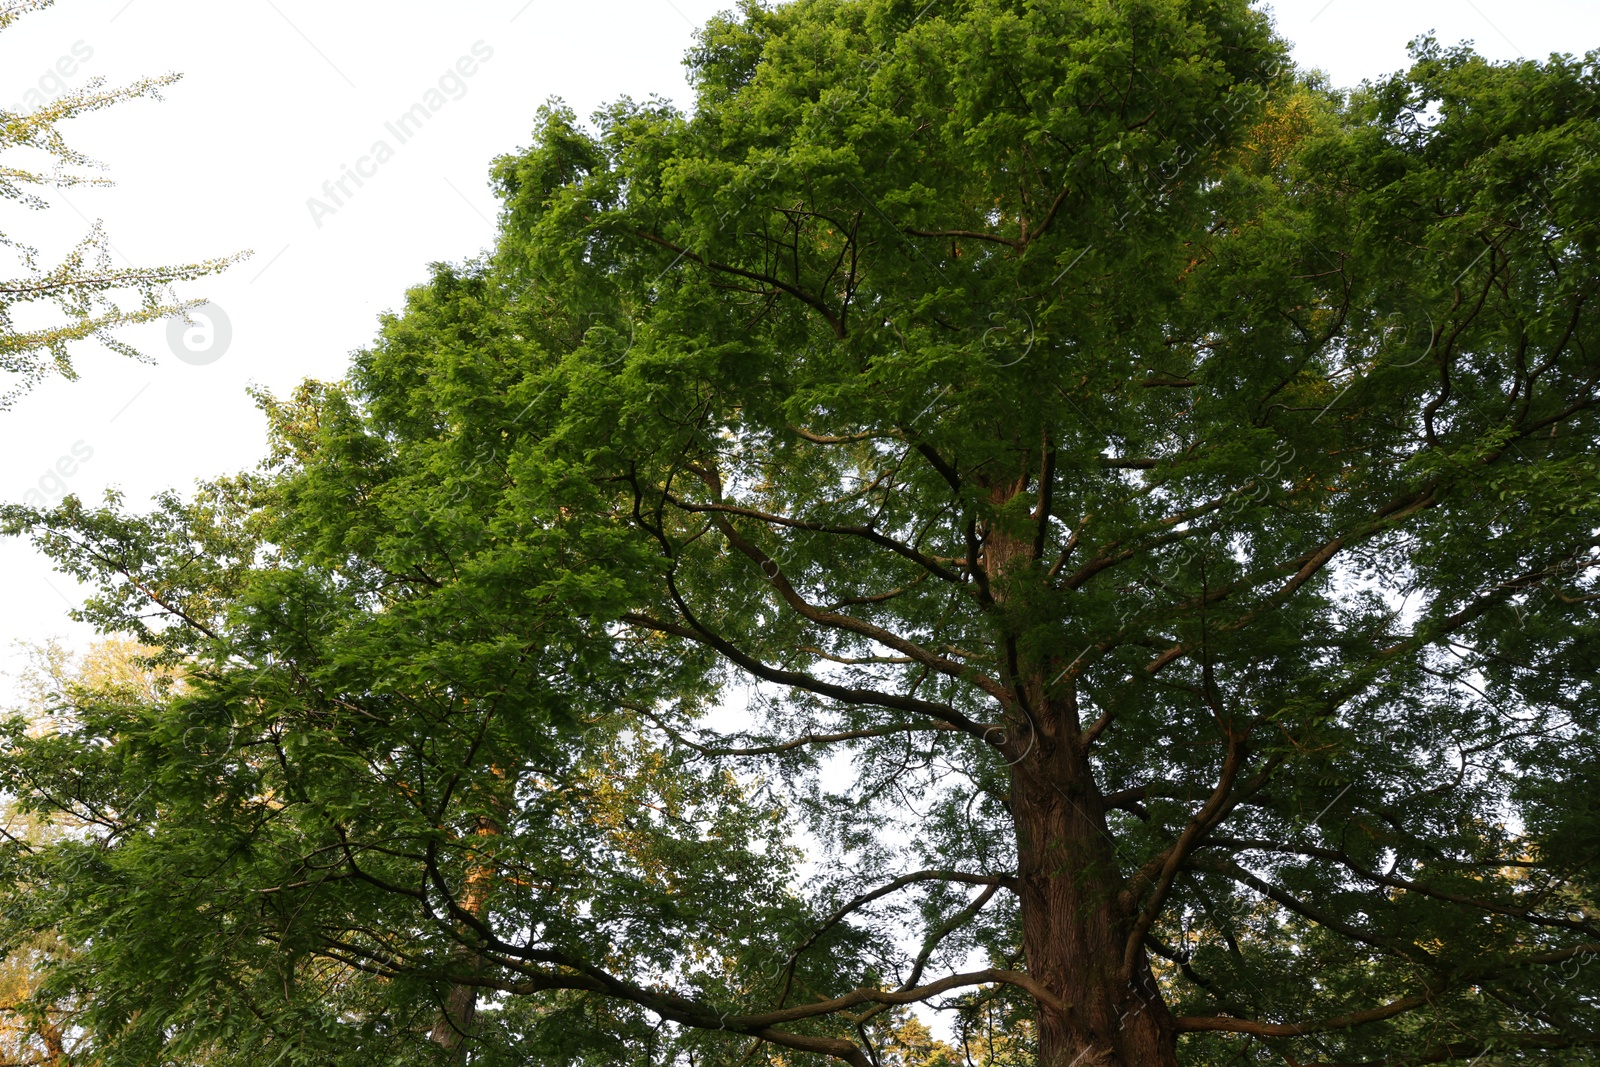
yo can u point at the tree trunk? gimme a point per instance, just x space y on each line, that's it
453 1026
55 1044
1074 923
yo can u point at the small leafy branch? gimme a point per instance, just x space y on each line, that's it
90 294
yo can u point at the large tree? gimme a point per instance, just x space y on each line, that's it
1031 509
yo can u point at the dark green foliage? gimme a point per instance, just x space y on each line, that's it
963 408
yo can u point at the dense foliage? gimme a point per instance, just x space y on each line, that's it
1036 510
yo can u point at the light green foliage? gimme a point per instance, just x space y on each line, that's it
88 291
1034 509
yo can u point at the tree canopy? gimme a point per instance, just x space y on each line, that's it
1038 511
38 1028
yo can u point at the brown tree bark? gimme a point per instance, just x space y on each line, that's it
452 1029
455 1021
1075 921
1076 915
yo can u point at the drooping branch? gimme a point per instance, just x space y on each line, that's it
1194 1024
534 976
834 321
1410 886
928 563
1232 870
779 747
849 623
902 996
1200 1023
699 634
971 235
862 900
1472 1051
1306 566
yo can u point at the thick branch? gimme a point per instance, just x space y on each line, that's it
801 295
926 562
810 683
1196 1023
849 623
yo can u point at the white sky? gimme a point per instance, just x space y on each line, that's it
279 95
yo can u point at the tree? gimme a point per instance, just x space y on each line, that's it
88 291
1035 510
37 1027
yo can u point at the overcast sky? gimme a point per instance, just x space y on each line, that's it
281 96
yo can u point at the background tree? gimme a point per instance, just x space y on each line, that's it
87 293
1029 509
38 1029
